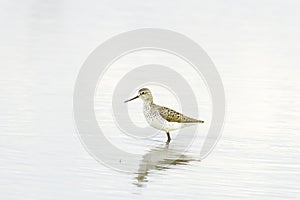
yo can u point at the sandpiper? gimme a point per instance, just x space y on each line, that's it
162 118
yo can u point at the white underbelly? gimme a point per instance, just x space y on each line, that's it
164 125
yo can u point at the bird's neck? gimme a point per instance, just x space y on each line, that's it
148 103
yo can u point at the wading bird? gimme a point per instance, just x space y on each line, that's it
162 118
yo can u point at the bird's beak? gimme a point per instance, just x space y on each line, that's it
131 99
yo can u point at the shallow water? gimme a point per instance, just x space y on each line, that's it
255 47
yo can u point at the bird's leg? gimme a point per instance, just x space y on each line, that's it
169 138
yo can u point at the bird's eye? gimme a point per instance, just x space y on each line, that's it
143 92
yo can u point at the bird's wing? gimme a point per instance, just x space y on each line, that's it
173 116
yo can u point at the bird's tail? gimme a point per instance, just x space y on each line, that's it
195 121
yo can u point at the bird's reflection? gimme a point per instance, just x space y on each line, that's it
161 157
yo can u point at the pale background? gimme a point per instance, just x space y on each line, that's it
255 46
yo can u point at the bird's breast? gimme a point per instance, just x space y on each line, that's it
153 117
149 113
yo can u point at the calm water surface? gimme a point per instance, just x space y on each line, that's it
255 46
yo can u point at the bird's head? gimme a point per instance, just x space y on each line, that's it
144 94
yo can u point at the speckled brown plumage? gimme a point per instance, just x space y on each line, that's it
174 116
